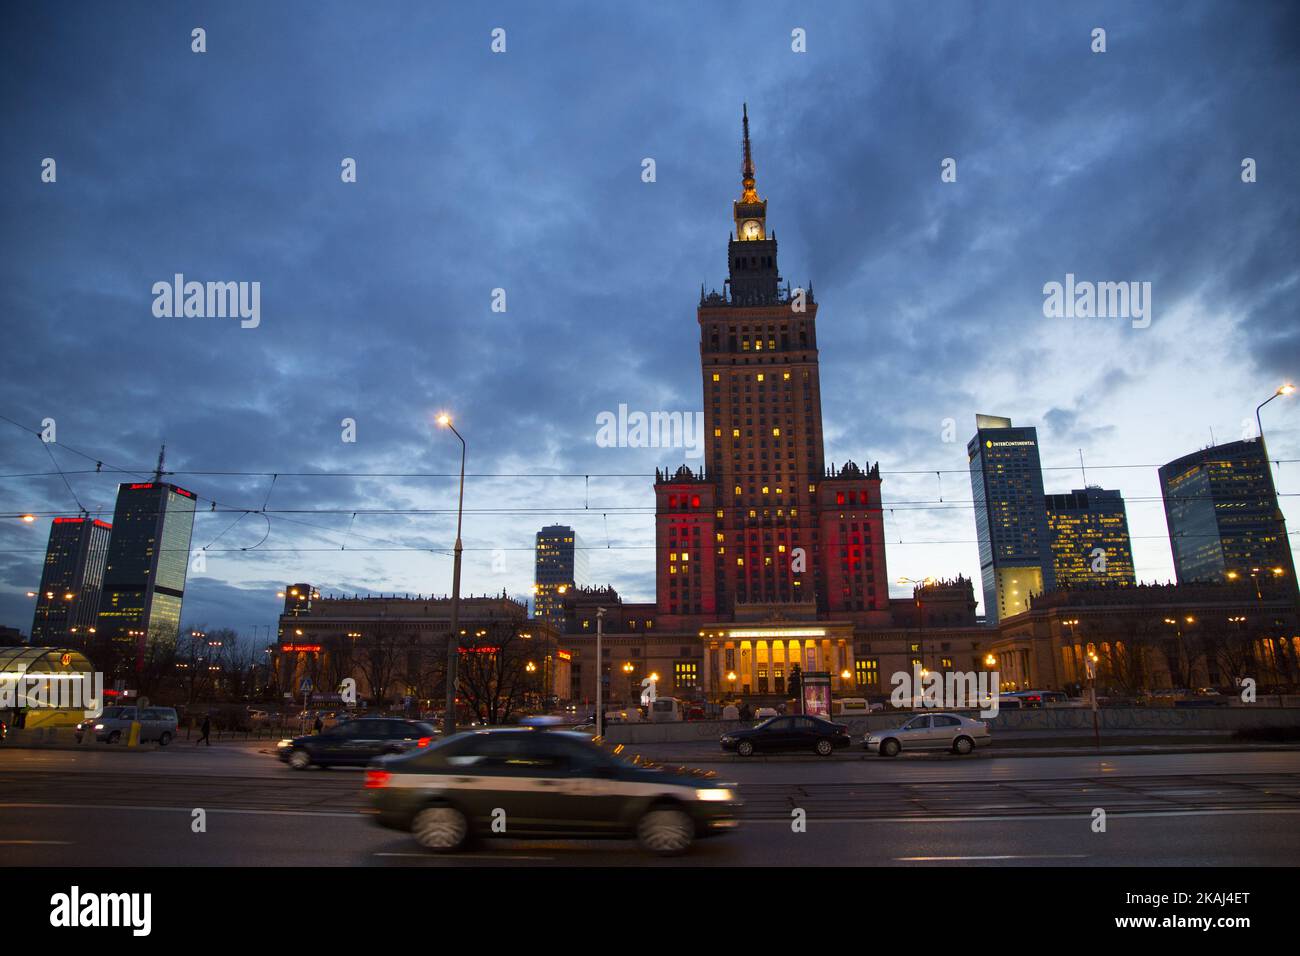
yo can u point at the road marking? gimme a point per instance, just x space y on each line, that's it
35 843
1004 856
106 806
470 856
1030 816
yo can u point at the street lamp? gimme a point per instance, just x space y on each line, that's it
917 584
453 642
1286 389
600 671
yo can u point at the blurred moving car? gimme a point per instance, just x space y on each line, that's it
535 782
1042 698
854 706
952 732
788 733
156 723
763 713
356 742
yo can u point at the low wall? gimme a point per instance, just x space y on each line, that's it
1047 720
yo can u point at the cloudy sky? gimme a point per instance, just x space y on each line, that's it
522 171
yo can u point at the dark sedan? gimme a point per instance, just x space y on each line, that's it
356 742
530 782
788 733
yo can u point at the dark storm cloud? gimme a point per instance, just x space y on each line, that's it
522 172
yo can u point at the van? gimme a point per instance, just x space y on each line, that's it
665 710
114 725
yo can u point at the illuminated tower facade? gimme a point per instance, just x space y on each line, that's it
148 557
68 601
764 522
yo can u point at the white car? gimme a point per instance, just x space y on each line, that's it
952 732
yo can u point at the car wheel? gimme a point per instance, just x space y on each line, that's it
300 759
441 829
963 745
165 739
890 748
115 736
824 747
745 748
665 831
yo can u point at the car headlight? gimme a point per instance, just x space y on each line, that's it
728 740
873 739
716 794
99 726
284 743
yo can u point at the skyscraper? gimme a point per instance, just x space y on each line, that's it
764 522
68 601
148 557
1090 540
1006 479
560 564
1223 517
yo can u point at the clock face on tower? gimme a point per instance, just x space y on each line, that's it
752 229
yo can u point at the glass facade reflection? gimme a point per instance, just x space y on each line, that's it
1223 516
1090 539
1006 480
148 556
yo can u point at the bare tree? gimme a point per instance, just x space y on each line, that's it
495 677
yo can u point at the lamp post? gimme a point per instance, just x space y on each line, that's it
600 672
453 642
1286 389
917 584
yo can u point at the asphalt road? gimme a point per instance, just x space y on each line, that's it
114 807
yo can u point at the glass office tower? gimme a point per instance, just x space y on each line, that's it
1223 517
148 556
1006 480
561 563
1090 539
68 601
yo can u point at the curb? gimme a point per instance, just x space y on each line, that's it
1119 751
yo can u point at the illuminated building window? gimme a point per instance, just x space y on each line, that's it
867 672
716 377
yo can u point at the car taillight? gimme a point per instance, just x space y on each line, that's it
377 779
424 741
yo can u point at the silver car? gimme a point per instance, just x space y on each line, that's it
951 732
156 723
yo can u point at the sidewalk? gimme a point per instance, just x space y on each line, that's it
1010 744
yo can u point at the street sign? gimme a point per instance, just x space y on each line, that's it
305 685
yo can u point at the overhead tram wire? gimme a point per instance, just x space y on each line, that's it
147 474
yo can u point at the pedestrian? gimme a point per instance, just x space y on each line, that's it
319 725
745 713
205 732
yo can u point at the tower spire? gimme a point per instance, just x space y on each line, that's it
158 472
747 169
